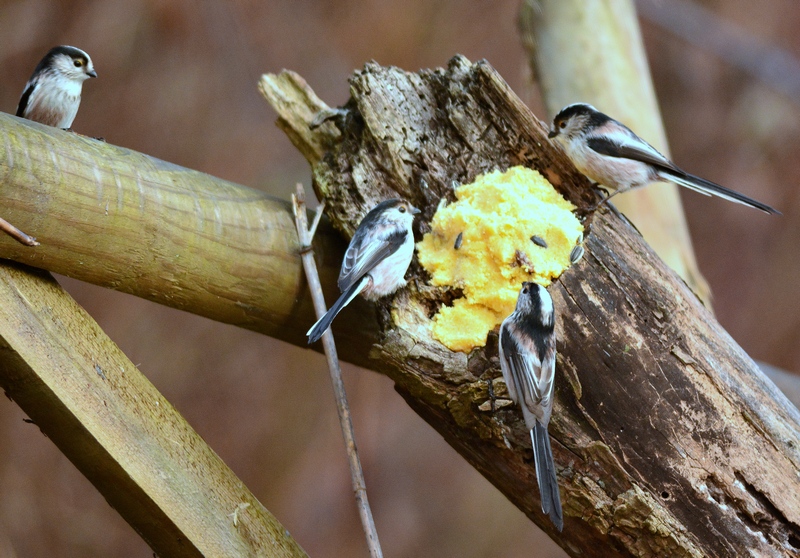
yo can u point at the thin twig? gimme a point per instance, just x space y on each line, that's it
356 473
17 234
317 216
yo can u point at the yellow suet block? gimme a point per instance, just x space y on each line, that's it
497 215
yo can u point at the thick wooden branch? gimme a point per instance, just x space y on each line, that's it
667 438
120 432
127 221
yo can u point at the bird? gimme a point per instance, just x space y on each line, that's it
376 260
612 155
53 92
528 361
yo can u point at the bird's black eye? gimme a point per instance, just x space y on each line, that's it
402 209
562 124
525 290
78 63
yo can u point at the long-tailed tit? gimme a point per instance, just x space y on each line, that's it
53 93
528 362
609 153
376 260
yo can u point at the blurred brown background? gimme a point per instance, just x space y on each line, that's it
177 80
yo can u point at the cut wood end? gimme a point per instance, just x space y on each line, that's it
297 106
290 96
287 86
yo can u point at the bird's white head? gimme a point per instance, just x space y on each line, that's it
574 120
68 62
397 211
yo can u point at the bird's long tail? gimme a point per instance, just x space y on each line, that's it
546 475
712 189
324 322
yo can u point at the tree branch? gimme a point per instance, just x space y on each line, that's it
667 438
124 220
348 433
557 35
120 432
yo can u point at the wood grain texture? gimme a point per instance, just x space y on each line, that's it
134 223
120 432
667 438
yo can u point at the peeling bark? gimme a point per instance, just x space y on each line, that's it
667 438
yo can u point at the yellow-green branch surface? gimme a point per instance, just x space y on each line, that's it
120 432
124 220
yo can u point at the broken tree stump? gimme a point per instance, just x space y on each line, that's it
667 438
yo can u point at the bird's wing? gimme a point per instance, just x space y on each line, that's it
630 147
529 382
23 101
368 249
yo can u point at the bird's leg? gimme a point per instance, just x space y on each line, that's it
607 197
71 131
490 389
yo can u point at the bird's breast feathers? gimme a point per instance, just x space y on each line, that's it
54 102
389 274
612 172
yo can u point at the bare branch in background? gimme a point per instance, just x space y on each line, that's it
704 29
558 36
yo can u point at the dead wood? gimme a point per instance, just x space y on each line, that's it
667 438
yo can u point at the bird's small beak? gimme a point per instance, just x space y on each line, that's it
414 210
91 73
553 133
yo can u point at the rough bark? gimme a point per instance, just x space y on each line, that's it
667 438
